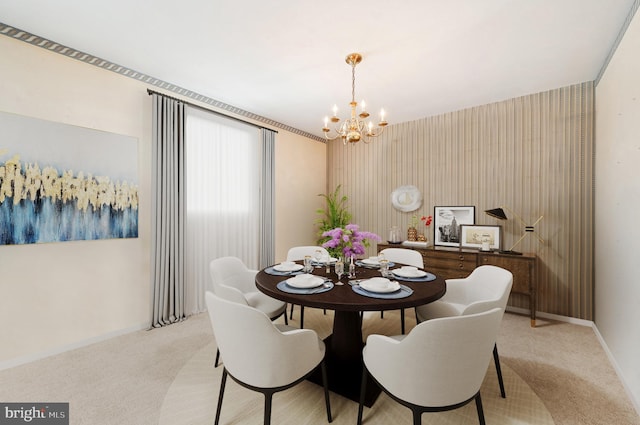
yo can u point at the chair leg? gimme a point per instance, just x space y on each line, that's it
479 409
496 360
382 314
301 317
325 383
363 390
268 397
223 382
417 416
418 321
217 357
402 321
291 314
286 321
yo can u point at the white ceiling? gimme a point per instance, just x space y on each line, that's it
284 59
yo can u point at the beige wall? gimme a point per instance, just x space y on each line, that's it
532 154
617 265
59 295
301 169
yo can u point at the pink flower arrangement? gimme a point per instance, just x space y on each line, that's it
349 241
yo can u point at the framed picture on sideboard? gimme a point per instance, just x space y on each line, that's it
447 222
483 237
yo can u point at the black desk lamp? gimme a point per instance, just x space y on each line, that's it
528 228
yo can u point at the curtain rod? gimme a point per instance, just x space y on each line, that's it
150 92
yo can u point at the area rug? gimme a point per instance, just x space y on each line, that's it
192 398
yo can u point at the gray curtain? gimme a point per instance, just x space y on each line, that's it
168 212
267 208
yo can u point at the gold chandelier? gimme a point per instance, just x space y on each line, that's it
353 129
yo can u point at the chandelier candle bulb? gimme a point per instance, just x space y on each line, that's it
363 114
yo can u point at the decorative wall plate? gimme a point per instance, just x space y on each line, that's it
406 198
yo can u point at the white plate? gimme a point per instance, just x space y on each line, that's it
331 261
288 267
380 285
371 262
409 273
305 281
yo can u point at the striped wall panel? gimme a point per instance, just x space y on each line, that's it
532 154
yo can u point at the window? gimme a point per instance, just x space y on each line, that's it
223 164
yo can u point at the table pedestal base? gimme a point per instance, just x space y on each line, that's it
344 359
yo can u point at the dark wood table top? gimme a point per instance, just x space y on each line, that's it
343 298
344 345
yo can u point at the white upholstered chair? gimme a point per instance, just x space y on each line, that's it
233 281
439 365
297 253
410 257
405 256
485 288
260 356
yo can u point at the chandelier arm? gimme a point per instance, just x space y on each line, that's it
375 133
326 136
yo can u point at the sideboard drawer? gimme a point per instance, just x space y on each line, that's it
450 264
448 273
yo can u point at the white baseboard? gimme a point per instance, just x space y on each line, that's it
612 360
7 364
551 316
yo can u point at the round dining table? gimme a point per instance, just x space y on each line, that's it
344 346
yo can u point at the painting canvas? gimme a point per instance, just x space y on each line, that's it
447 223
60 182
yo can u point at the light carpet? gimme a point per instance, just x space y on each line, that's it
193 395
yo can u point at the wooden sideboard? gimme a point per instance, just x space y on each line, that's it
452 263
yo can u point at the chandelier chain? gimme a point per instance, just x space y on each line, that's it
353 82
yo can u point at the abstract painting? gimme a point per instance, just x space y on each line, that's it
60 182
